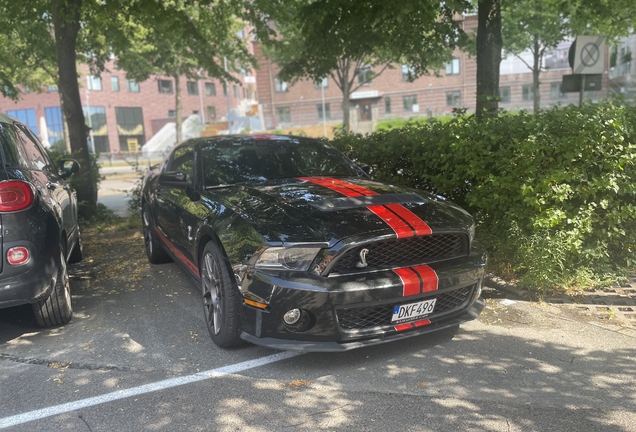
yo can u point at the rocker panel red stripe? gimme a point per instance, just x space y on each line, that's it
178 253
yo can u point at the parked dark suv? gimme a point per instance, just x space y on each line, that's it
38 226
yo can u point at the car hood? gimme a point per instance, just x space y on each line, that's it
328 210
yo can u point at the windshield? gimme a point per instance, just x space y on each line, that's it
245 159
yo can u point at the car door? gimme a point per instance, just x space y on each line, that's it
171 198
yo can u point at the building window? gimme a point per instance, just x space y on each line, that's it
365 75
324 83
52 88
224 89
210 89
211 113
54 124
26 116
130 128
172 113
453 98
132 86
409 101
165 86
452 67
114 83
193 88
235 89
387 105
408 73
327 113
99 130
280 86
504 94
284 115
94 83
527 93
555 91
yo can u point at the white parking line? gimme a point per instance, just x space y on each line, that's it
147 388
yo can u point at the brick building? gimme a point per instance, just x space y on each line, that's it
390 94
124 114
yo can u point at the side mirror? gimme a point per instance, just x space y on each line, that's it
364 167
175 179
68 167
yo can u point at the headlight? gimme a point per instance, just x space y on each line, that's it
280 258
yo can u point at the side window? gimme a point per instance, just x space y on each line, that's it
12 152
35 158
182 161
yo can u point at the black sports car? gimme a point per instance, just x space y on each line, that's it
295 247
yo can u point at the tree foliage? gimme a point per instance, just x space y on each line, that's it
49 37
319 38
552 193
538 26
198 49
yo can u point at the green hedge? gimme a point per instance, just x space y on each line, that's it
554 194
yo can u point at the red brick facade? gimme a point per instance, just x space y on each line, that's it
154 105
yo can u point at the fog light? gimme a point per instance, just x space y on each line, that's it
17 255
291 317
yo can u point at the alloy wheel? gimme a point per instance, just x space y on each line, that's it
212 292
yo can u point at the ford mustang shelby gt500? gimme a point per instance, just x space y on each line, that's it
295 247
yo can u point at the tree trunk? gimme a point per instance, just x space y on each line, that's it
66 24
489 45
346 113
536 71
177 106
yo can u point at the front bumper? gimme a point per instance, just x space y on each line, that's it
347 312
284 344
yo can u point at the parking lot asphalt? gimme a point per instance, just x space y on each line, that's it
136 356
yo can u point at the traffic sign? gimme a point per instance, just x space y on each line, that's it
587 55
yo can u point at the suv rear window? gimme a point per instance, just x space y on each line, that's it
11 156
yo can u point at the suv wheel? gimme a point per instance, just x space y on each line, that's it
57 308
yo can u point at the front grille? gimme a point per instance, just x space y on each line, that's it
404 252
362 318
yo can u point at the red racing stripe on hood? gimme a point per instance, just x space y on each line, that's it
404 222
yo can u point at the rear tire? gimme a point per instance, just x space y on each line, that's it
155 252
220 298
57 309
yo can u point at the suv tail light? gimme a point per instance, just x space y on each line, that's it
17 255
15 195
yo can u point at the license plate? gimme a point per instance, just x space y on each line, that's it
412 311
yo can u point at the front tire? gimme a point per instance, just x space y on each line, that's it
220 298
78 251
155 252
57 309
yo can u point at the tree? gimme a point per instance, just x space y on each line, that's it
537 26
489 46
540 25
336 38
169 50
63 32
